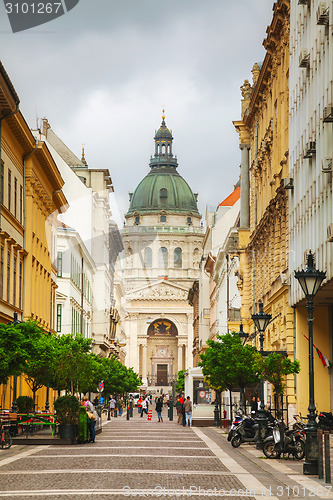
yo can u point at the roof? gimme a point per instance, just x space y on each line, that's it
231 199
66 154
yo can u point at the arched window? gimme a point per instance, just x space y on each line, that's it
177 258
163 193
163 258
148 258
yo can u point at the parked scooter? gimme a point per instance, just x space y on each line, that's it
291 442
325 420
238 419
248 430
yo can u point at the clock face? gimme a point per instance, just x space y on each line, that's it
162 352
162 327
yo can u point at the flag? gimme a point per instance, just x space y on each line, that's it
326 362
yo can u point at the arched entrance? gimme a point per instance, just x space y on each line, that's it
162 347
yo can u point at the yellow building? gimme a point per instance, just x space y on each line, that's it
263 234
31 198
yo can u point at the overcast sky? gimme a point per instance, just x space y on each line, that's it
102 72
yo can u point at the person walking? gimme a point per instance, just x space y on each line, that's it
188 411
159 408
119 405
178 406
92 417
112 404
139 405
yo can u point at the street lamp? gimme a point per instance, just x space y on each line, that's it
242 335
261 321
310 280
14 403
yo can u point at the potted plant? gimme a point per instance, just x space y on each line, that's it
25 404
66 410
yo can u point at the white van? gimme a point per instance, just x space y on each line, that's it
135 396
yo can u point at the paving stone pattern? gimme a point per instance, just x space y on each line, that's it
138 459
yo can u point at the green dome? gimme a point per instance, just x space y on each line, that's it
163 191
163 133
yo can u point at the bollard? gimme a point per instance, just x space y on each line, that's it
327 457
109 413
216 415
225 418
131 408
115 413
320 454
128 413
170 409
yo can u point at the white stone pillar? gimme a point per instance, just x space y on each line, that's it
180 357
144 362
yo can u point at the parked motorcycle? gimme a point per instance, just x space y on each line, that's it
325 420
291 442
248 430
238 419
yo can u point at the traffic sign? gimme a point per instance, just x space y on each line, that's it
101 386
202 394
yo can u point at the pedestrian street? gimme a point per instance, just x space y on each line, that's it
145 459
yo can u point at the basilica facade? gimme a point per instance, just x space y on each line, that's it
162 239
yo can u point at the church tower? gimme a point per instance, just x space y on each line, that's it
162 240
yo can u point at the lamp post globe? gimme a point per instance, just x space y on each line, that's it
261 321
242 335
310 280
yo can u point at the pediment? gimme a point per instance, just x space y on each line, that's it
160 290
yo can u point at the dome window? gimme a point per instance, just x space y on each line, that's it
163 193
163 218
137 220
163 258
177 258
189 221
148 257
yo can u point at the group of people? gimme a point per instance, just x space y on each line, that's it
183 407
143 404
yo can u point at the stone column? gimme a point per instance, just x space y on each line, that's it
180 357
144 362
245 187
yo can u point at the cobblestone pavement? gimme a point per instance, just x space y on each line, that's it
146 459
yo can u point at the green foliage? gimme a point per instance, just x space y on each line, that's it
25 404
16 343
274 368
180 382
227 364
117 378
67 409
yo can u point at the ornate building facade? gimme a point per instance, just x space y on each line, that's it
263 234
162 240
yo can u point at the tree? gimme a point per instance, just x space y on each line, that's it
227 364
117 378
180 382
70 369
16 343
274 368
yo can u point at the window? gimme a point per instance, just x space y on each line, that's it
148 257
8 276
163 218
177 258
14 281
15 197
2 181
163 257
137 220
2 252
59 264
189 221
21 204
163 193
9 199
59 315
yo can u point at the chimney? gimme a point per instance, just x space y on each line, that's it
45 127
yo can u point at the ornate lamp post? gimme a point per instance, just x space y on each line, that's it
261 320
310 280
242 335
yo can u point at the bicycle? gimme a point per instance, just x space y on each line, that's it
6 439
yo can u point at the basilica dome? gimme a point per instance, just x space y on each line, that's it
163 188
